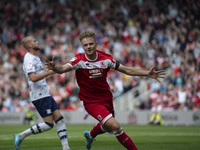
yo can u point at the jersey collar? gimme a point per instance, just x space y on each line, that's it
94 59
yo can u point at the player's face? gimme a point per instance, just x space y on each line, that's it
89 45
35 44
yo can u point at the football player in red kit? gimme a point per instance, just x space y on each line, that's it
91 72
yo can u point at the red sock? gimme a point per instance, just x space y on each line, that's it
96 130
126 141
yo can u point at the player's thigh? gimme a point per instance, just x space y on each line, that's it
48 119
55 116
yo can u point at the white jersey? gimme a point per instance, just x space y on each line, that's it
39 89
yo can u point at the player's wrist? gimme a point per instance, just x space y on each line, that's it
53 66
54 69
51 72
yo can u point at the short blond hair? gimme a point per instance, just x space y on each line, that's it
86 34
26 41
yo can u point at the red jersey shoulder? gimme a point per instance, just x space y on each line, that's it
103 56
77 58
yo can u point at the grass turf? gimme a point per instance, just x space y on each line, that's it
145 137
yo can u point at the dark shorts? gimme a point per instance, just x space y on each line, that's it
45 106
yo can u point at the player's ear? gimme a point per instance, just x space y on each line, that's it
29 45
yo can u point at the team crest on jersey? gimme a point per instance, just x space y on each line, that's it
29 65
102 64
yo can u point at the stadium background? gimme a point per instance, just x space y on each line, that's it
139 33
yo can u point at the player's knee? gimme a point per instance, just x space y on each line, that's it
50 125
115 127
61 119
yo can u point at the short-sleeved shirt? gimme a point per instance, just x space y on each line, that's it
91 76
39 89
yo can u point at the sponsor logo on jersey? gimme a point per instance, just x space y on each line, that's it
87 64
96 73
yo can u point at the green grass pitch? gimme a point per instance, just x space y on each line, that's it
145 137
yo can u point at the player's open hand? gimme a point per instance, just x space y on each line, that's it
156 74
49 65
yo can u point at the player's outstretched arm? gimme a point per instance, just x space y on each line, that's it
50 65
140 72
36 77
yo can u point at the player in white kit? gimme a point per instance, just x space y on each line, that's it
40 96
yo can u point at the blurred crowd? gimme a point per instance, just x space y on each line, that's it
141 33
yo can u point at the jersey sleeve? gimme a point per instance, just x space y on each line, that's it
74 62
113 63
29 66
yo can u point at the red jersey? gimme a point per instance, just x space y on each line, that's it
91 76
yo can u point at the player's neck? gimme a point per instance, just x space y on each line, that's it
33 52
92 57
